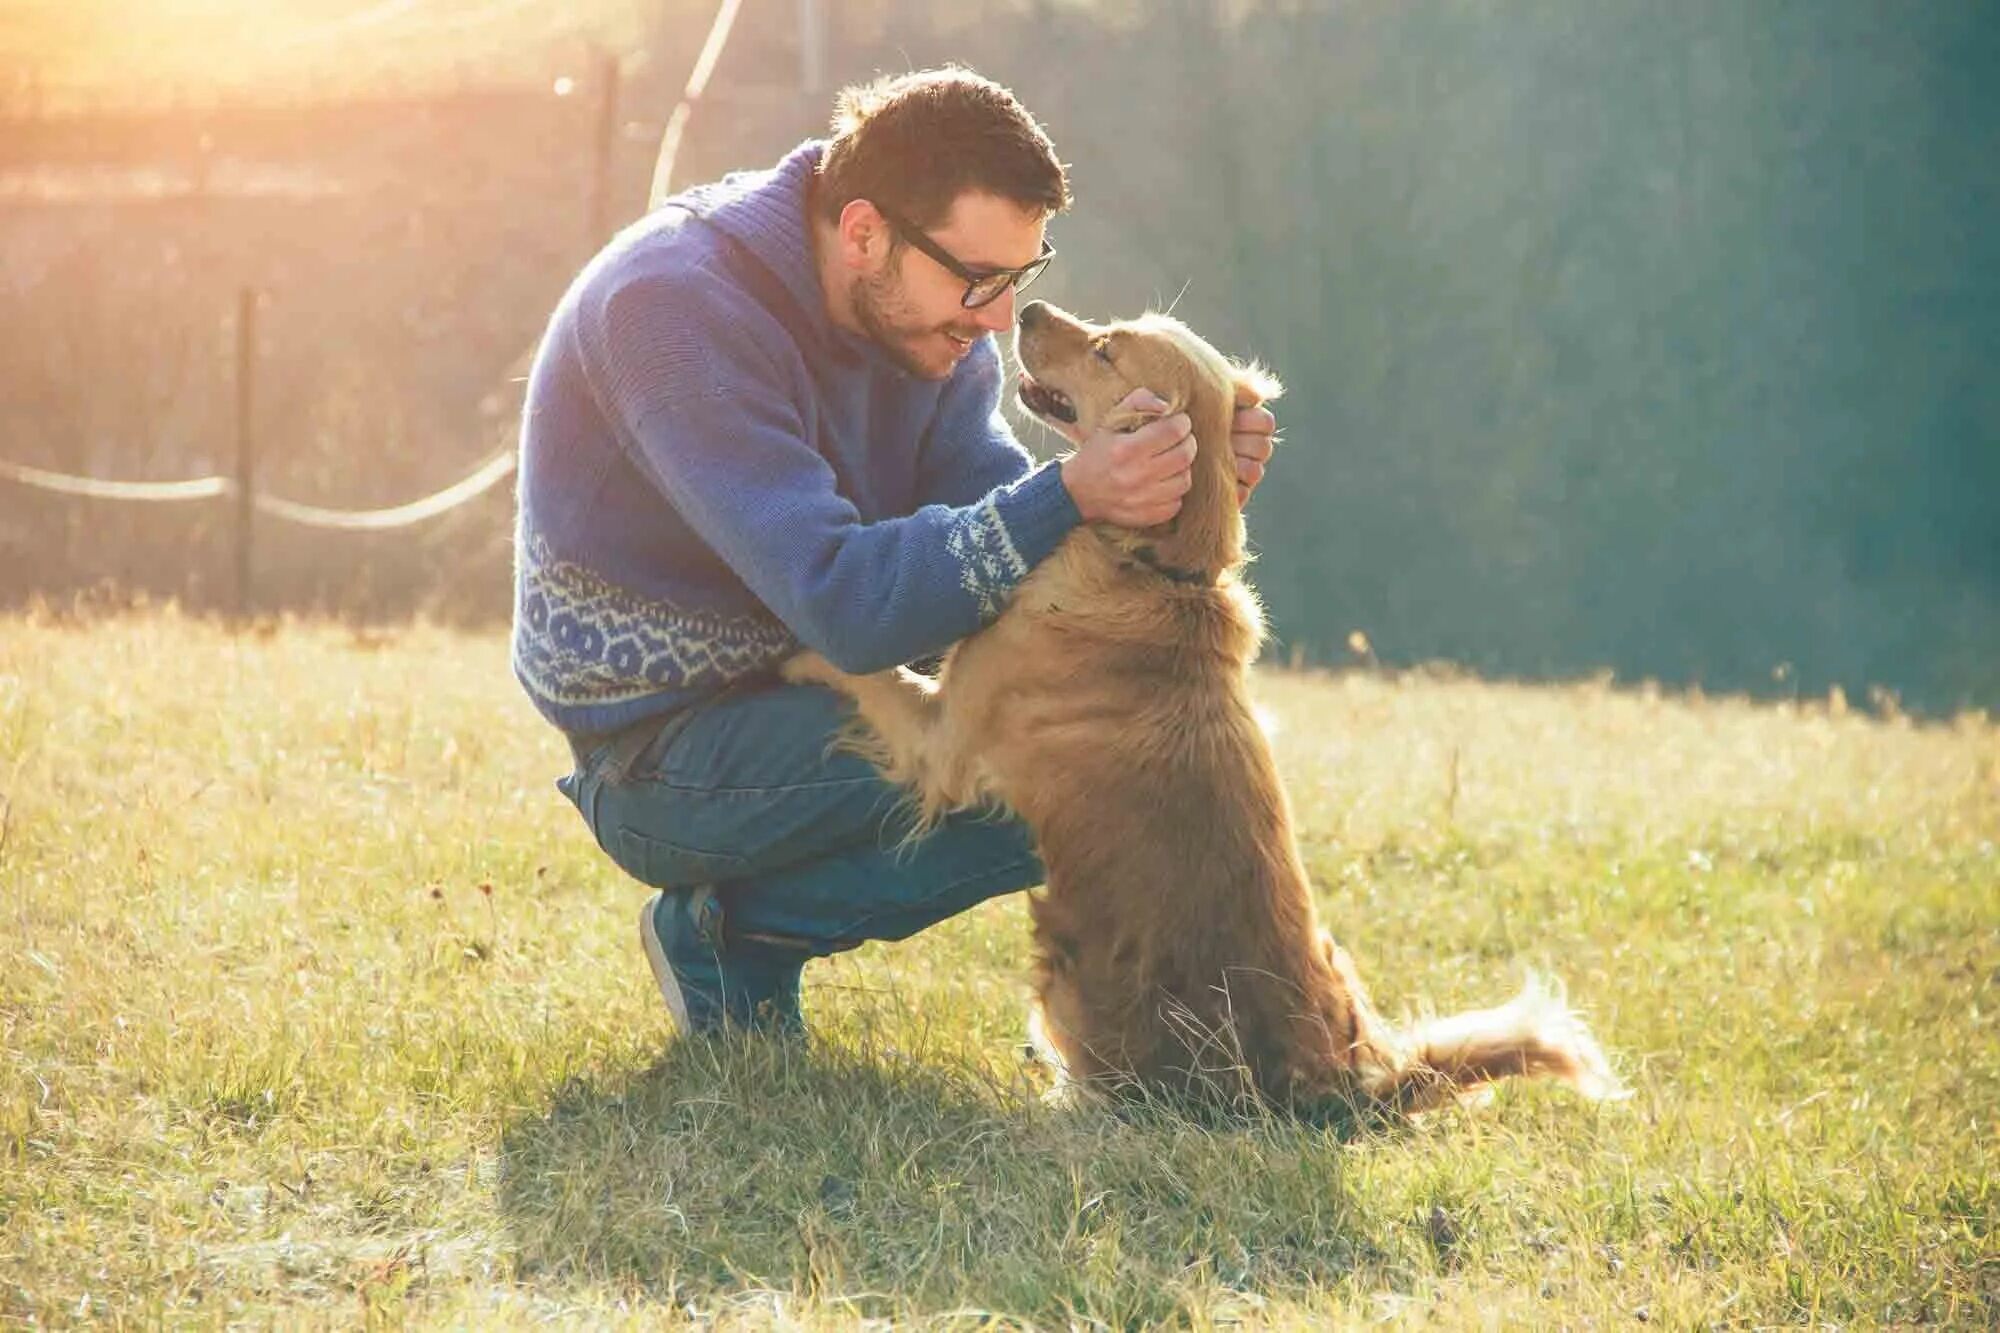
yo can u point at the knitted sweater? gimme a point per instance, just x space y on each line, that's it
713 473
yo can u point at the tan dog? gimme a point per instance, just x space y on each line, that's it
1109 707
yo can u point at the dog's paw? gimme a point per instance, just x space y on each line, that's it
809 668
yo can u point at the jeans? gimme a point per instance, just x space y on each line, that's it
803 844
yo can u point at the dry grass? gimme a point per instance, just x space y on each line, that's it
271 1051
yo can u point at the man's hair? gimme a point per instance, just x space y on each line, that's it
912 143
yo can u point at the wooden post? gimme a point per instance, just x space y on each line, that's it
605 141
246 445
812 46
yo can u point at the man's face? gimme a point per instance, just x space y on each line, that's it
913 306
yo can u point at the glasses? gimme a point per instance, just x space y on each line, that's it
981 287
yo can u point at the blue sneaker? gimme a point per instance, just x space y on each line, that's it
707 983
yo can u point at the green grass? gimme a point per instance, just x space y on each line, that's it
271 1053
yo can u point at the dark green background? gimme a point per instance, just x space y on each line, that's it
1656 336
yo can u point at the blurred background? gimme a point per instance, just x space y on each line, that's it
1623 335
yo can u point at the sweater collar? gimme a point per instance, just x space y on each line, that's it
766 212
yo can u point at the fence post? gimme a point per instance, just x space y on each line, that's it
606 139
812 46
246 445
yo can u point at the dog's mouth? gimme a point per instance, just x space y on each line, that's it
1043 401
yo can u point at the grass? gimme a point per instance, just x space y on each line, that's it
318 1006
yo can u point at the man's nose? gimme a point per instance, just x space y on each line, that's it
997 314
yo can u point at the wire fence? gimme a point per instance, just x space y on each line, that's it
112 376
406 248
242 486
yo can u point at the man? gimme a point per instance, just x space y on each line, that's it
766 417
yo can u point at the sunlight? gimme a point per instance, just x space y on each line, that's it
150 51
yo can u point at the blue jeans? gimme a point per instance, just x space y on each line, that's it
803 844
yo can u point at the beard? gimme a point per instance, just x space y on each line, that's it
891 322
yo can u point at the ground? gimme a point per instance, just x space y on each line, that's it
317 1004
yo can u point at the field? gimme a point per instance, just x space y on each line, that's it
318 1006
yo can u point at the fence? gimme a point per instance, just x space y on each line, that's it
252 501
242 486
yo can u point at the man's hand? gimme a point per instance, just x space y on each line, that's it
1251 436
1134 480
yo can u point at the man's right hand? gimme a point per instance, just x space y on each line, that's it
1133 479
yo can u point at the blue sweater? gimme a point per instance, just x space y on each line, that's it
713 473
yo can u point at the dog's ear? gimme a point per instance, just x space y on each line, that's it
1254 384
1126 421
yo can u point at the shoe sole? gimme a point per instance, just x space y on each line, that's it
656 958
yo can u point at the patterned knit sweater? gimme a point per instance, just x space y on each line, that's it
713 473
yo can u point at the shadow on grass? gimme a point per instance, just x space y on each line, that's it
735 1175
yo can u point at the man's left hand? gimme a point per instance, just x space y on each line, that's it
1250 438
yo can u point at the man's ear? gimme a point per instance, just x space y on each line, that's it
864 234
1255 385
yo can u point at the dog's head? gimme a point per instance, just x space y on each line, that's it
1075 374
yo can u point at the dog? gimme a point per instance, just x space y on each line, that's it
1177 951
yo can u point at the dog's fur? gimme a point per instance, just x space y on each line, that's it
1109 707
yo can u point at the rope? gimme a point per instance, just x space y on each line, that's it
204 488
291 511
704 65
489 472
400 516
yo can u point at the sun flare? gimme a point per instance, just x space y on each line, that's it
145 51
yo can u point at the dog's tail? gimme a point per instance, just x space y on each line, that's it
1536 1034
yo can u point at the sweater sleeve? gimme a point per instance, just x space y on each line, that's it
679 363
970 449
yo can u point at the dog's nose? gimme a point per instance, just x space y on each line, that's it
1032 313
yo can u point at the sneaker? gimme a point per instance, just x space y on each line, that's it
706 983
681 930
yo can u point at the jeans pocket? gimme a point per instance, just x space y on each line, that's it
669 865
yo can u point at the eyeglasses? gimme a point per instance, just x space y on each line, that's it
981 287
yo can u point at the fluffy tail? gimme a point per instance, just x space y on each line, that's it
1535 1034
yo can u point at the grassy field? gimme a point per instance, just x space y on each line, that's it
318 1006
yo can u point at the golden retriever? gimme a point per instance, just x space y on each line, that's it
1108 706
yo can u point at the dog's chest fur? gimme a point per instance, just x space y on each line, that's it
1095 639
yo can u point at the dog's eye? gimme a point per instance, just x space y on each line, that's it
1101 349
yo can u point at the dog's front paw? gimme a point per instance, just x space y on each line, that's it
809 668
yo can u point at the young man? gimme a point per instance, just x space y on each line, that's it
768 416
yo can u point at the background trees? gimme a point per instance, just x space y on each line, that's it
1651 337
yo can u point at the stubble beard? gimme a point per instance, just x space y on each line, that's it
884 316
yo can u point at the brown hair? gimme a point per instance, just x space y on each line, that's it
914 142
